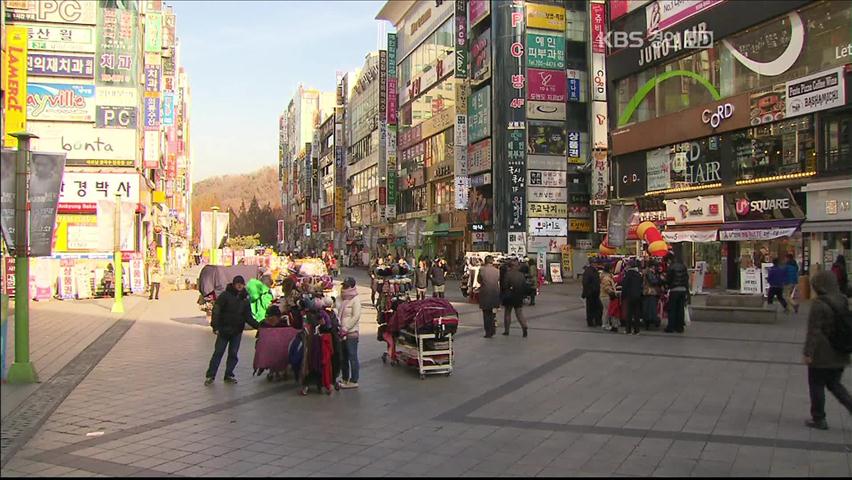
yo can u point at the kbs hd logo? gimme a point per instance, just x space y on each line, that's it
661 42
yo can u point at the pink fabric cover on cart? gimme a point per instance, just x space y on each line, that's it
423 312
272 349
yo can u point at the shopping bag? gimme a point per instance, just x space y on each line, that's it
795 293
686 319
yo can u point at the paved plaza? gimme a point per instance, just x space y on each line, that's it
720 400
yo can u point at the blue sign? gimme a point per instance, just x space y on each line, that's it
168 115
152 112
573 89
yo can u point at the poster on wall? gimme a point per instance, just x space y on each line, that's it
547 139
60 102
658 169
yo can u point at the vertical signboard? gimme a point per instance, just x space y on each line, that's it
461 39
383 134
600 124
116 47
393 94
462 182
15 83
392 107
517 113
153 32
516 155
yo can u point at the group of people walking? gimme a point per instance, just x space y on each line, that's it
636 293
506 287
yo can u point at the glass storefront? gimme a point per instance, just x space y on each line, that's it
779 148
826 27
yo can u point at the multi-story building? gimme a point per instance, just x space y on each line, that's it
106 88
730 127
494 127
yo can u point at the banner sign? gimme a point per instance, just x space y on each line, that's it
480 51
813 93
574 145
7 196
479 114
547 139
151 155
583 225
153 32
547 17
598 77
43 196
59 65
168 109
598 16
106 225
547 178
460 142
547 194
546 111
686 211
547 210
152 78
547 85
545 51
600 177
548 227
577 81
478 10
600 126
169 27
152 112
517 112
658 169
479 157
696 236
61 101
84 142
79 12
117 56
60 38
94 187
393 87
516 154
115 117
14 84
461 39
756 234
117 96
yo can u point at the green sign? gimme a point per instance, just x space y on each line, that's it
154 32
545 51
479 115
116 47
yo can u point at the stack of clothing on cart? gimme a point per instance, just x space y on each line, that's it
422 315
271 351
316 352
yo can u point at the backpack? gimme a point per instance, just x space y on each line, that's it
841 333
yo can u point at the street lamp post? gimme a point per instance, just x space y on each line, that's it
118 304
22 370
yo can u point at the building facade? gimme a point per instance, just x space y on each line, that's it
731 130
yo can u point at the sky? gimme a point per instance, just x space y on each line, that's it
244 60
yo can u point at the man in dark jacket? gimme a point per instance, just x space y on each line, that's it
825 364
776 277
489 295
438 278
230 315
514 291
592 294
631 295
677 279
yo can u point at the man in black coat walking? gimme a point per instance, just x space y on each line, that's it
230 315
592 293
677 278
631 295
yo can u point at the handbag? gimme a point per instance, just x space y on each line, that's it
686 319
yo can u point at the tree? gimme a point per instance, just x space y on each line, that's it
244 242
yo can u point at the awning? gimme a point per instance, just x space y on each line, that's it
829 226
698 236
755 234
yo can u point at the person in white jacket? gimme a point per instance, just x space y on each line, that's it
349 314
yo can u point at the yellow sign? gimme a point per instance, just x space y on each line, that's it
547 210
159 196
15 83
579 225
567 258
548 17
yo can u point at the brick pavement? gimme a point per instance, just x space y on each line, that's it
721 400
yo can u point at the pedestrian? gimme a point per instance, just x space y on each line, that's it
533 275
608 292
230 314
777 278
838 268
156 275
489 295
332 263
631 297
374 278
421 279
825 364
650 295
791 281
350 321
438 278
591 293
514 291
260 296
677 279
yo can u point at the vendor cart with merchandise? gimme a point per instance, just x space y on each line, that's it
423 332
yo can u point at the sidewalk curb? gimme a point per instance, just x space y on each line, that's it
25 420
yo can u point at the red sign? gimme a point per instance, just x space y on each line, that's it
77 207
547 85
598 28
9 276
314 224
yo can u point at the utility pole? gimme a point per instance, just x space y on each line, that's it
22 370
118 288
213 244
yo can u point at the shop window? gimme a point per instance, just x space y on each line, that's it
775 149
412 200
837 143
442 197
